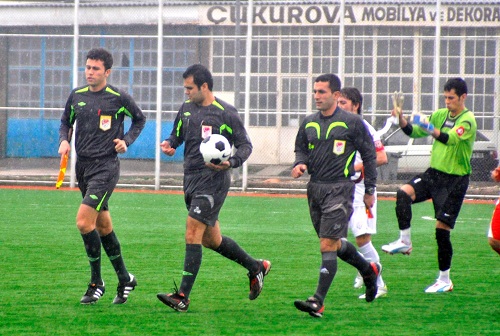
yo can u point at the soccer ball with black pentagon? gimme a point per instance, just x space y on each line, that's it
215 149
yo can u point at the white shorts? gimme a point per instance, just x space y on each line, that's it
360 224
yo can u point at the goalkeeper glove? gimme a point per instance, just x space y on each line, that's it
423 123
398 100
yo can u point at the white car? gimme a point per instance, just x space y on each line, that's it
413 156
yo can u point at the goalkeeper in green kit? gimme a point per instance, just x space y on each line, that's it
447 179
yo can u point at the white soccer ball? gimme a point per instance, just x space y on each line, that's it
215 149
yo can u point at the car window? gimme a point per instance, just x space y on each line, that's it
481 137
396 138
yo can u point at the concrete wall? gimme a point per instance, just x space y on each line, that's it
35 138
272 145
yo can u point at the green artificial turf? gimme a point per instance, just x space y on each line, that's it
44 272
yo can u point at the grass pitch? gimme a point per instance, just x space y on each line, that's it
45 272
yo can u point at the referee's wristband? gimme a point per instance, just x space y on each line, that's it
232 162
370 191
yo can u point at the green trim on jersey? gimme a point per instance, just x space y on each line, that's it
335 124
123 110
454 156
72 115
178 128
225 127
216 103
316 126
108 89
85 89
348 163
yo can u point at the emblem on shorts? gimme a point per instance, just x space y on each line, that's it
197 210
105 123
339 147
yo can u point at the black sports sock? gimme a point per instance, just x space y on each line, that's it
112 247
403 209
192 263
350 255
326 274
231 250
445 249
92 243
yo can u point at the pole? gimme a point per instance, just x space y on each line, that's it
237 32
341 41
248 70
76 33
159 81
437 55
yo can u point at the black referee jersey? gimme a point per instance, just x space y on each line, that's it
100 117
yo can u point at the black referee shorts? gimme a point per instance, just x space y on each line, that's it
97 179
205 192
330 207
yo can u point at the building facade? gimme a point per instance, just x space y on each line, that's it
377 46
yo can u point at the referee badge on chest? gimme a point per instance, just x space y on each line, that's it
206 131
105 122
339 147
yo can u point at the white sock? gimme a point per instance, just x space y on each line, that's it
370 253
405 235
445 276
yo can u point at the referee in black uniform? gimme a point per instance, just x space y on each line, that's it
100 110
206 185
326 146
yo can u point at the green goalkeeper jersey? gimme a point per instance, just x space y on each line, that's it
452 157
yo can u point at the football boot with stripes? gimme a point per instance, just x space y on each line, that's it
257 279
93 293
312 306
124 289
176 300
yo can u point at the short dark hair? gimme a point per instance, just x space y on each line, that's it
200 75
458 84
333 80
353 95
103 55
